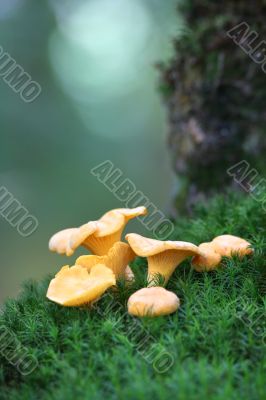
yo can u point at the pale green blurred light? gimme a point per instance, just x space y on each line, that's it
101 46
103 25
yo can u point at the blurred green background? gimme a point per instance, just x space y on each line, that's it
95 62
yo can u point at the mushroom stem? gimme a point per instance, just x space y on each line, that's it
129 274
164 264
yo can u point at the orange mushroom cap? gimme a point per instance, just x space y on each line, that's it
153 302
208 260
116 259
163 257
227 245
75 286
97 236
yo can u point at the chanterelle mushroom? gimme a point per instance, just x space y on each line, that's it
209 259
75 286
163 257
152 302
97 236
221 246
116 259
228 245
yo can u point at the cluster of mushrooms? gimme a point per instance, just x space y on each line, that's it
86 281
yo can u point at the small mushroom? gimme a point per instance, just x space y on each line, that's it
208 260
152 302
75 286
228 245
221 246
163 257
116 259
97 236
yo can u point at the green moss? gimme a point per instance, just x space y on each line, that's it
217 338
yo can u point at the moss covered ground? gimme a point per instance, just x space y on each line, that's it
213 348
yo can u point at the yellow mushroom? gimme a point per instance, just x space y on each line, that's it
221 246
163 257
208 260
116 259
97 236
152 302
228 245
75 286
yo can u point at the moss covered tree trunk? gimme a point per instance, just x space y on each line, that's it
215 94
